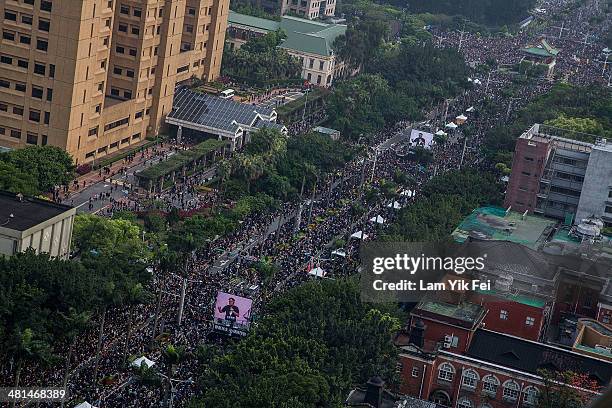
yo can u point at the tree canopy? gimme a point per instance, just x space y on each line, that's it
315 342
49 166
259 60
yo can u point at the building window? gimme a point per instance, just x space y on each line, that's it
31 139
114 92
8 35
136 136
47 118
124 10
117 71
446 372
127 94
46 5
490 384
34 116
123 28
116 124
51 71
119 50
503 314
321 63
39 69
44 140
20 87
25 39
18 110
415 371
137 12
465 403
42 44
4 83
191 11
469 379
6 60
93 131
16 133
135 30
44 25
129 73
133 52
530 321
511 390
10 15
26 19
530 396
37 92
139 114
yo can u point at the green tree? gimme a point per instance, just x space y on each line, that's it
49 165
16 181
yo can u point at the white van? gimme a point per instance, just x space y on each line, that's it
227 94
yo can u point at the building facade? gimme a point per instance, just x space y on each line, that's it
97 76
309 9
311 42
42 225
549 173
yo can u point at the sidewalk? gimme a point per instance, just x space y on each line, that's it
96 176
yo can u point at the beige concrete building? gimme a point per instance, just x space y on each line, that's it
311 42
309 9
97 76
42 225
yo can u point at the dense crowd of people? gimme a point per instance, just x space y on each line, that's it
300 235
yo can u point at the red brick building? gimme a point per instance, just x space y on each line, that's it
496 371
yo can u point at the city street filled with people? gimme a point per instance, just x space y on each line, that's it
299 236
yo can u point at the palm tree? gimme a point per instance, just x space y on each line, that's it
72 324
23 346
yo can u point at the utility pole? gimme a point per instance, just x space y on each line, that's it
298 216
179 317
461 37
314 191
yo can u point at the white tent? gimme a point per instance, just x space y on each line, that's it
469 79
461 117
359 235
451 125
395 205
441 133
339 252
85 405
318 272
143 360
406 193
477 81
378 219
470 109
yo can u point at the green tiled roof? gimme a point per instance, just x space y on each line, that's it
254 22
544 49
312 37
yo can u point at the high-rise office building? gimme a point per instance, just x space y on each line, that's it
561 177
96 76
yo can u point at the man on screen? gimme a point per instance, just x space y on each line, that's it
231 310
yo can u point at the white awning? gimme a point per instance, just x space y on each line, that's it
395 205
477 81
441 133
318 272
143 360
339 252
359 235
469 79
461 117
470 109
406 193
451 125
84 405
378 219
